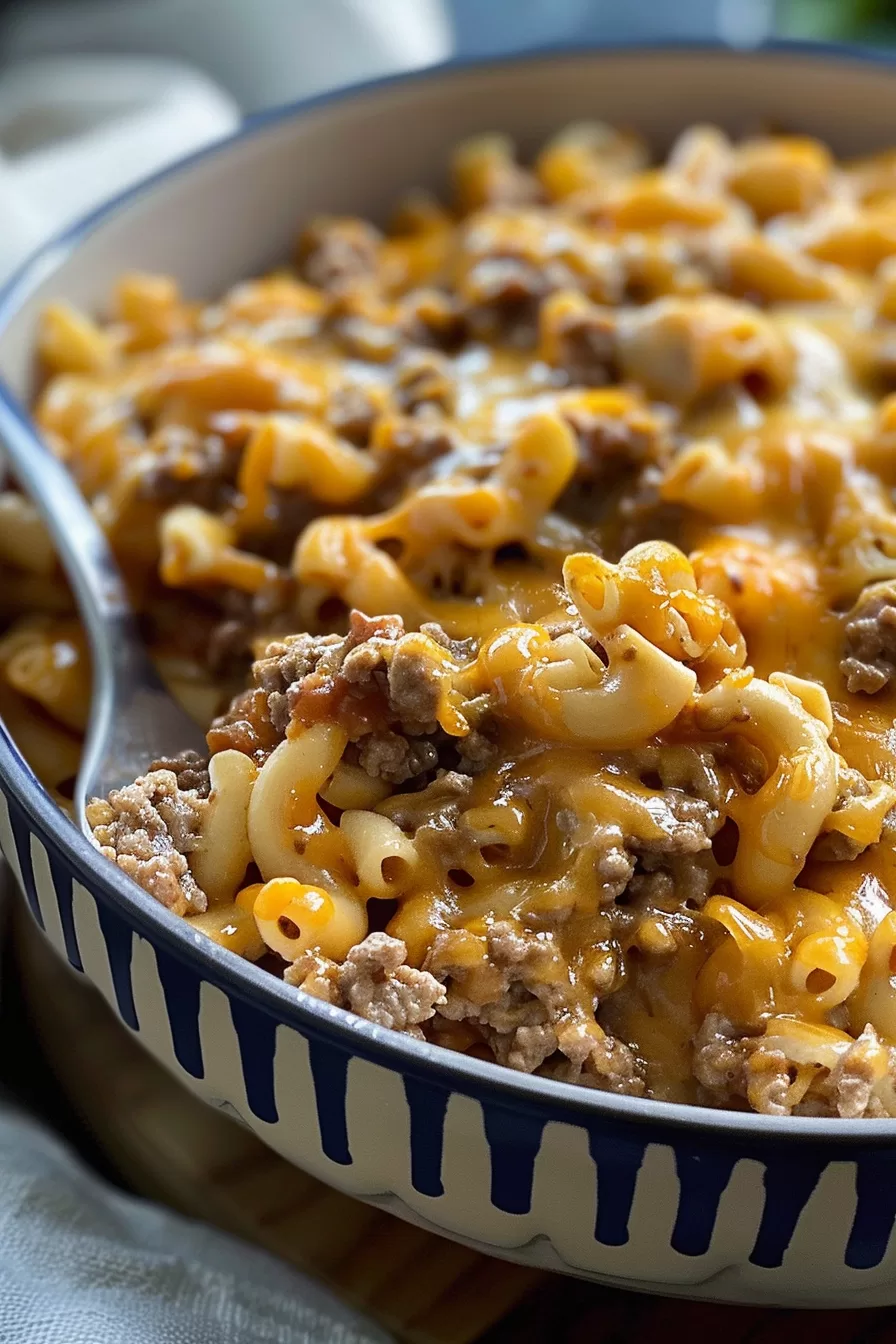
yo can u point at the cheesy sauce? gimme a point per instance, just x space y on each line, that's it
559 524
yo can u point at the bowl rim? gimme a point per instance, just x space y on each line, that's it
547 1098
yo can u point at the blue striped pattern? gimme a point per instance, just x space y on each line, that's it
329 1069
703 1174
256 1033
427 1107
513 1132
119 940
22 840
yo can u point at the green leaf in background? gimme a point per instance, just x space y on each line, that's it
862 20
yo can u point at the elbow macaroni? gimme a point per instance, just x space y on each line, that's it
595 470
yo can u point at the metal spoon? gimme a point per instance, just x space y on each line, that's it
133 718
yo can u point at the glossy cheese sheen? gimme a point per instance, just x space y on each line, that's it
478 421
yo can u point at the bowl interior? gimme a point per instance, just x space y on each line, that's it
235 210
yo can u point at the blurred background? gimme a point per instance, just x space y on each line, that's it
96 94
268 51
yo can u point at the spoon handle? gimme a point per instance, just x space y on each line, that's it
133 717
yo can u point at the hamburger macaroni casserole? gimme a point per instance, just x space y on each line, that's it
533 562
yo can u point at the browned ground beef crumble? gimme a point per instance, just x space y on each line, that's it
731 1067
613 319
525 1019
376 683
148 828
869 659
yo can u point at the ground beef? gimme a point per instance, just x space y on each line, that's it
437 806
413 442
671 868
229 649
527 1016
718 1060
240 620
615 869
833 846
424 378
413 689
849 1089
190 468
378 685
583 345
603 843
351 413
686 825
524 1047
524 981
396 758
501 300
335 254
664 881
733 1068
287 663
768 1082
406 447
461 650
683 770
869 657
375 982
594 1059
642 515
189 769
675 867
475 752
431 317
148 828
613 450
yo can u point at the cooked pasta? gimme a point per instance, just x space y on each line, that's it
579 492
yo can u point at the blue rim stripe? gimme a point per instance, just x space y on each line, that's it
427 1108
703 1177
181 989
329 1070
514 1139
256 1034
618 1160
790 1181
22 839
119 939
64 888
875 1214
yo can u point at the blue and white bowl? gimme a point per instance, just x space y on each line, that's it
709 1204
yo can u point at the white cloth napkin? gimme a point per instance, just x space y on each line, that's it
81 1263
76 130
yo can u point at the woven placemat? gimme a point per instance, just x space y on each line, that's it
170 1147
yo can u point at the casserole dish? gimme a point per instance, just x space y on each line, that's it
665 1197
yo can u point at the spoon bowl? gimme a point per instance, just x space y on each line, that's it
134 719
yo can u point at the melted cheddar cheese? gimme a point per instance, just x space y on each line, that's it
582 488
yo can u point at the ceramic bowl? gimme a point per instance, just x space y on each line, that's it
663 1197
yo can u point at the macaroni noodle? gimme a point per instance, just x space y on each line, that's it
534 560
